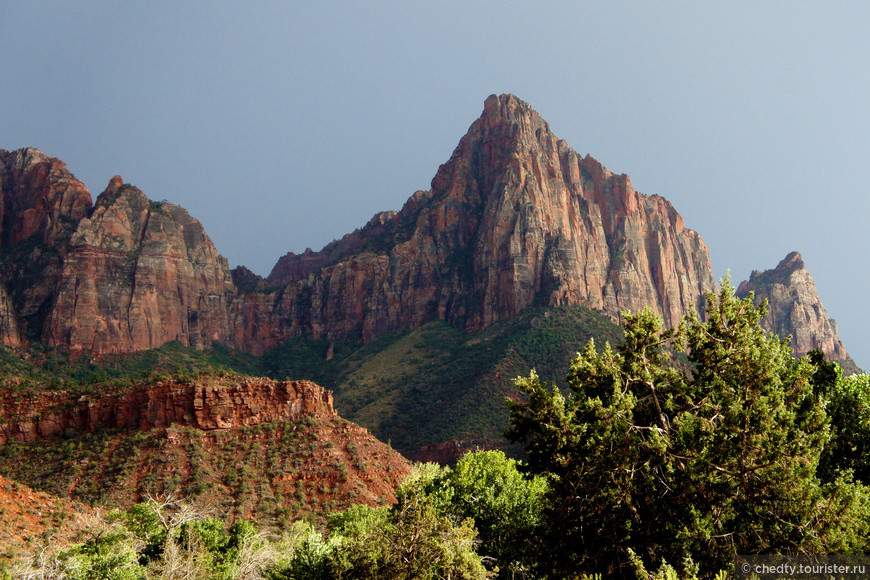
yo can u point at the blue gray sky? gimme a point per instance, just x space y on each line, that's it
282 125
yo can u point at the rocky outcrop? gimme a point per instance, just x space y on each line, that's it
41 204
139 274
10 331
40 197
213 405
123 275
794 308
514 218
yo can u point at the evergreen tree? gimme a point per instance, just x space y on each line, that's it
705 459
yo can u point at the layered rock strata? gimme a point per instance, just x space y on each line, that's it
139 274
31 417
41 203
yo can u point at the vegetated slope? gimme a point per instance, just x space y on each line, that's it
31 517
438 390
437 387
236 444
45 368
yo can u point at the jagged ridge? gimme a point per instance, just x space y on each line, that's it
515 218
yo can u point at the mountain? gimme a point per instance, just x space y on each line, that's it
42 202
139 274
795 309
121 275
515 218
519 252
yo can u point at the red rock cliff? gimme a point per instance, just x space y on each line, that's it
207 406
514 218
139 274
40 204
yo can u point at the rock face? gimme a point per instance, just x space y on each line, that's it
26 418
514 218
139 274
41 204
795 308
121 275
40 198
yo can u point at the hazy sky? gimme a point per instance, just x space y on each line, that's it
283 125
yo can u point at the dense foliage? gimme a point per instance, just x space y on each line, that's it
653 460
672 452
849 409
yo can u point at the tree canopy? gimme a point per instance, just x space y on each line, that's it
699 441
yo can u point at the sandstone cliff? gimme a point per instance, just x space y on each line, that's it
271 451
238 403
795 308
41 204
514 218
137 275
121 275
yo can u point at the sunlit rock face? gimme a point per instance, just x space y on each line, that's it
137 275
207 406
794 308
514 218
40 204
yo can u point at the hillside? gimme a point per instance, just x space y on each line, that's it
253 448
438 390
432 392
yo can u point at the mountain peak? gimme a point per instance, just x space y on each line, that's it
515 218
793 260
784 271
514 113
506 105
794 307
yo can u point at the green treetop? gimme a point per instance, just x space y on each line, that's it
706 458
